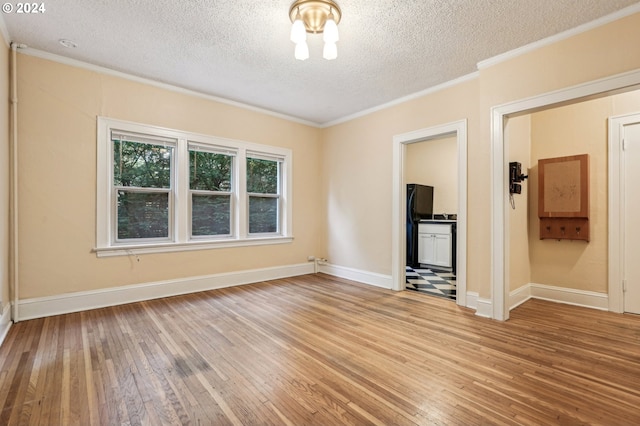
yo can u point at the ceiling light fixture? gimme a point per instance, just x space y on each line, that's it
315 17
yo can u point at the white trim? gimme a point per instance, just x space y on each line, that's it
189 246
570 296
108 71
386 281
399 199
472 300
5 322
403 99
520 295
85 300
616 209
622 13
478 304
484 308
499 178
480 65
365 277
180 238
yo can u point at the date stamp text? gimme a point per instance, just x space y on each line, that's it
31 8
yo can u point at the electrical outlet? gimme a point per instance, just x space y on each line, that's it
311 258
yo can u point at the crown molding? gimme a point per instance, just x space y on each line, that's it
622 13
403 99
170 87
480 65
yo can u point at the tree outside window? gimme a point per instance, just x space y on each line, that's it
142 181
263 190
210 177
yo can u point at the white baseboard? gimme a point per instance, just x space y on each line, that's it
520 295
482 306
485 308
365 277
472 300
5 322
85 300
570 296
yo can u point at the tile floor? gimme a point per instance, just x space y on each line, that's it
435 283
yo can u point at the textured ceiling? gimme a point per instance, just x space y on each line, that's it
240 49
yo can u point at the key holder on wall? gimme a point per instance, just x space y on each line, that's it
563 197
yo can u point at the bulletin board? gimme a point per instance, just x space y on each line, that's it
563 194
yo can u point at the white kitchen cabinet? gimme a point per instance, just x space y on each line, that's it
435 245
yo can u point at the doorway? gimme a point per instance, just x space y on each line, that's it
624 227
458 130
500 194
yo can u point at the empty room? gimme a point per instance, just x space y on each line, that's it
319 212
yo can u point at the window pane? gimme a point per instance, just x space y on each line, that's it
210 214
141 164
143 215
262 176
209 171
263 215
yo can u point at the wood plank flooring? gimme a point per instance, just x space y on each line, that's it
319 350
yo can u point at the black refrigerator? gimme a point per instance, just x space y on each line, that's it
419 206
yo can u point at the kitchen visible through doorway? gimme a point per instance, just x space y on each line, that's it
431 282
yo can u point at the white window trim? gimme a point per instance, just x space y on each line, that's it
233 193
281 161
181 236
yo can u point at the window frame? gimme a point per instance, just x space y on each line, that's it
180 195
232 193
143 139
278 195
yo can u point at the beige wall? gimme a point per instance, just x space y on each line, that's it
435 163
570 130
518 136
57 124
342 174
4 174
357 171
357 154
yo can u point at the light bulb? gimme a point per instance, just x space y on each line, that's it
302 51
330 33
298 32
330 51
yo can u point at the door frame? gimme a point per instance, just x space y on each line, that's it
616 208
399 203
500 174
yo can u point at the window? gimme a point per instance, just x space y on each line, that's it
211 191
263 190
166 190
142 187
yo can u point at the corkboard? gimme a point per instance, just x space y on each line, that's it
563 186
563 198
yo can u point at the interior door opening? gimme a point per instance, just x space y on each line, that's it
432 206
501 235
436 258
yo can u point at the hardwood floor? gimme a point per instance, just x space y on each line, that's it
321 350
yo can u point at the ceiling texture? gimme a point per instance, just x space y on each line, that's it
240 50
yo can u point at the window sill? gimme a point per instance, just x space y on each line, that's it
127 250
